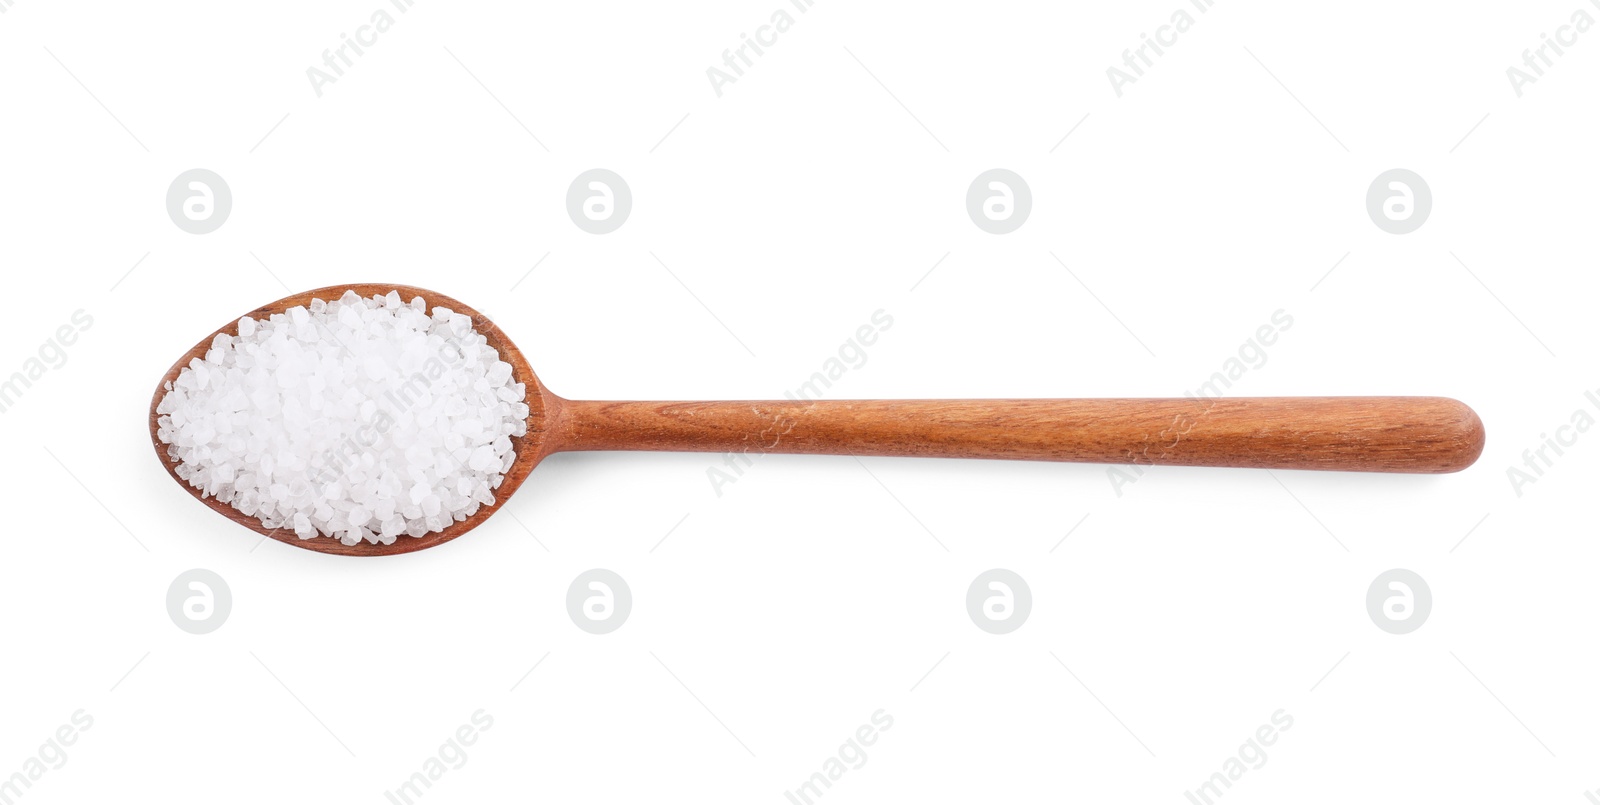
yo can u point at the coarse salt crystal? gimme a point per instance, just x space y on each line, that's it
360 419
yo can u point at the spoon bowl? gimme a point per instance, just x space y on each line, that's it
527 447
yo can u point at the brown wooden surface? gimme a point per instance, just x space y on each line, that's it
1372 434
527 447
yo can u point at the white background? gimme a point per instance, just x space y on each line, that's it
1175 619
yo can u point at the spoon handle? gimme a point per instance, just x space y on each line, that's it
1372 434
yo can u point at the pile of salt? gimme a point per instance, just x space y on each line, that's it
360 419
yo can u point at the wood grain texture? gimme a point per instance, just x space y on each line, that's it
528 448
1370 434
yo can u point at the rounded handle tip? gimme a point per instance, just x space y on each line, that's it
1464 430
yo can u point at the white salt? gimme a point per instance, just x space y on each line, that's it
359 419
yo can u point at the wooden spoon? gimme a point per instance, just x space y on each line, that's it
1372 434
